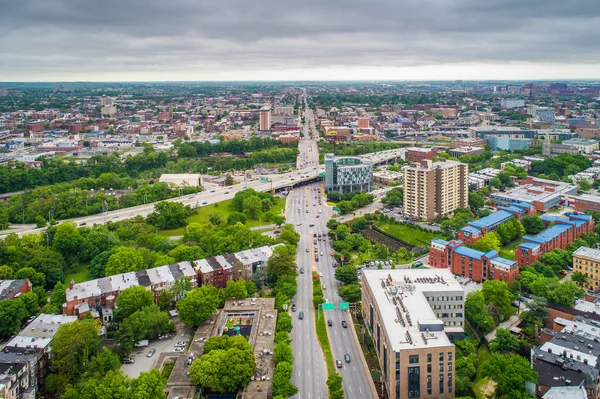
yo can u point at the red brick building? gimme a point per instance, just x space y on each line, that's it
559 235
416 154
35 126
11 289
585 202
467 262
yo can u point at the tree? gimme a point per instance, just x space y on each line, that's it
280 263
283 353
278 220
252 206
36 279
6 272
346 274
395 197
504 342
475 200
198 305
30 301
148 385
224 370
12 312
510 372
584 185
284 322
229 180
125 259
488 242
360 224
286 284
235 289
496 292
236 217
4 222
281 384
215 219
131 300
289 235
73 346
169 215
334 383
476 312
68 241
147 323
579 278
350 293
102 363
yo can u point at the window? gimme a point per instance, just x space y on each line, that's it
412 359
429 358
449 383
441 366
414 382
429 368
441 383
441 356
449 366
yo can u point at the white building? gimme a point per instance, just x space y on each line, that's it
182 180
512 103
584 146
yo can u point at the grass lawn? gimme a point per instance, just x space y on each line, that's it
482 386
408 234
79 276
508 251
324 341
222 209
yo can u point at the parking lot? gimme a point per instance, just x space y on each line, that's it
164 348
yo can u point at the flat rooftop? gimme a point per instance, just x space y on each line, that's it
413 286
592 253
535 192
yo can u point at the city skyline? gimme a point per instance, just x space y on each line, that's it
62 40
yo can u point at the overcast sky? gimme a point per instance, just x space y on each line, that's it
50 40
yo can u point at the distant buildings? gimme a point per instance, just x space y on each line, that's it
585 202
583 146
435 189
468 142
476 265
417 154
460 151
348 174
511 103
561 232
413 316
182 179
265 118
542 194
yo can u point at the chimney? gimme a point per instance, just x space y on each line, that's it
71 284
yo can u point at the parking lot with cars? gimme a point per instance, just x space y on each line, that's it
144 358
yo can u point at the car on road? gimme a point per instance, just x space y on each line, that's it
212 191
151 353
307 250
179 349
318 216
301 315
321 253
226 192
299 224
311 225
339 364
293 307
204 202
301 270
82 224
320 274
324 287
329 322
344 324
347 358
128 360
181 343
417 264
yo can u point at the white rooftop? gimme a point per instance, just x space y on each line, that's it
585 306
415 304
588 252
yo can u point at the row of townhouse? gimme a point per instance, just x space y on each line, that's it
560 232
476 229
24 360
475 265
98 297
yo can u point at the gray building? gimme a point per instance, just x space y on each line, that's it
347 174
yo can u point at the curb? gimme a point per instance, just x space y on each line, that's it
362 359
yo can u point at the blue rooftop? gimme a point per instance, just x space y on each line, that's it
493 219
505 261
491 254
471 253
530 245
550 233
439 241
471 229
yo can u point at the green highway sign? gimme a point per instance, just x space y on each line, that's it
264 179
344 306
335 208
322 174
328 306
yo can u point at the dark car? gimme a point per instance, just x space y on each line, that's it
344 324
347 358
128 360
293 307
301 315
329 323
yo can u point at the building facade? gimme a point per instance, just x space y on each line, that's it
435 189
348 174
413 316
265 118
559 234
587 261
417 154
11 289
467 262
476 229
541 193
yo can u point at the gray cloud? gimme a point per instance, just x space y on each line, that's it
85 38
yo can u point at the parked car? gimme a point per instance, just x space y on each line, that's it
181 343
179 349
293 307
128 360
151 353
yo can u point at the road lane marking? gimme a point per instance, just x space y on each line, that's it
360 389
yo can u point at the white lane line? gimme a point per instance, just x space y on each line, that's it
308 372
354 368
350 388
360 389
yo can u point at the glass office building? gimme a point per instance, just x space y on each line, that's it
347 174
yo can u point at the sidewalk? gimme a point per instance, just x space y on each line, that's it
511 322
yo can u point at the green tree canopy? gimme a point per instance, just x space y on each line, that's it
73 346
131 300
198 305
510 372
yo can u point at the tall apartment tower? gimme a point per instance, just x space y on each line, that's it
265 118
434 190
